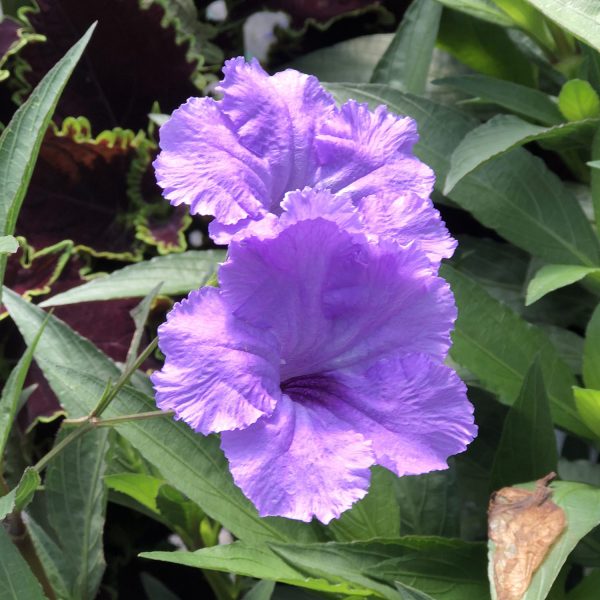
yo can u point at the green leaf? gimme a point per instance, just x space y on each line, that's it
579 17
17 582
529 19
76 503
21 495
139 315
554 277
11 393
578 100
595 178
588 405
520 99
516 195
179 273
193 464
350 60
429 504
50 555
443 568
405 64
485 48
254 561
497 346
21 140
142 488
485 10
8 244
591 352
505 132
527 448
587 588
376 515
155 589
263 590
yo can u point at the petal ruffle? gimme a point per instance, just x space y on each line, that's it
300 462
276 118
363 152
220 373
406 218
334 300
236 158
414 411
203 164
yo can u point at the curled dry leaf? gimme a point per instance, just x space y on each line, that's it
523 525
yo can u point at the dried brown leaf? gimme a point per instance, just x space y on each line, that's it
523 525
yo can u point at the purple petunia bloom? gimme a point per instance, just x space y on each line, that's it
320 354
238 158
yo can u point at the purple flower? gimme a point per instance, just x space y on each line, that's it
320 355
239 157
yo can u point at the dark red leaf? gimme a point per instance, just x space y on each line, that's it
132 61
158 223
79 191
32 275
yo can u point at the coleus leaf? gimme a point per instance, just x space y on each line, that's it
79 191
115 84
31 273
157 222
13 37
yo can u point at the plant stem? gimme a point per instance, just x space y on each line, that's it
81 430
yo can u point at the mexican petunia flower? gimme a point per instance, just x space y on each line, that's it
320 355
237 158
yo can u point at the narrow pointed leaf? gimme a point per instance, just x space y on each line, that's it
50 555
505 132
405 64
9 401
580 17
591 352
17 582
263 590
179 273
517 98
19 497
445 569
527 448
254 561
588 406
140 315
21 140
485 10
554 277
76 504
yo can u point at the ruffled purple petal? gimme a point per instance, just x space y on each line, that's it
406 218
220 373
300 462
334 300
415 411
276 118
236 158
203 164
363 152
